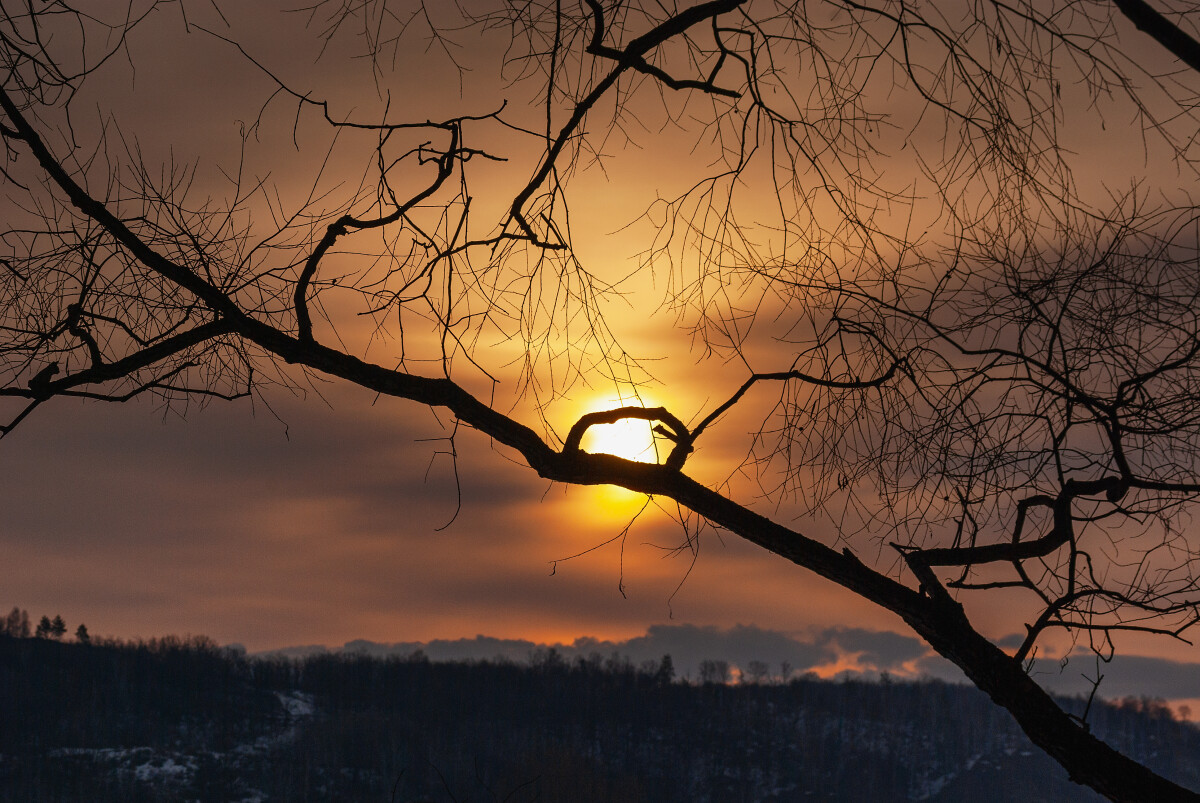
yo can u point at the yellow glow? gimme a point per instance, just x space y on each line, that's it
612 504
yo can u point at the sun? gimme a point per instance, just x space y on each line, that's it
628 438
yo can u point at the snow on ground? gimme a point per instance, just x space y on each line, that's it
173 770
297 704
165 769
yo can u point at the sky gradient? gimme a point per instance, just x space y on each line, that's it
330 516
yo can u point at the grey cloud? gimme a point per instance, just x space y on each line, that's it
119 472
1124 676
881 649
741 644
938 668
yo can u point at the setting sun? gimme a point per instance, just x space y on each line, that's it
629 438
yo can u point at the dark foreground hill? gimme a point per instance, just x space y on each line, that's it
179 719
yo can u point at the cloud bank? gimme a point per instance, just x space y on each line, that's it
828 652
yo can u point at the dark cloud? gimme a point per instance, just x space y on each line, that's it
881 649
741 644
113 470
935 666
1011 642
1123 676
376 451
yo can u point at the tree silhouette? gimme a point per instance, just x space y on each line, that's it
16 624
950 346
756 672
714 671
664 675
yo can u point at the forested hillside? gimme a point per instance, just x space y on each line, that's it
183 719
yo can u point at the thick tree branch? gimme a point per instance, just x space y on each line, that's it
126 366
1165 32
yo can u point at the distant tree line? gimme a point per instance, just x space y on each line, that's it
183 718
16 624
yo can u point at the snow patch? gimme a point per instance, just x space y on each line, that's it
297 704
167 769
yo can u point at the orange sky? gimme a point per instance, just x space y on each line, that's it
321 520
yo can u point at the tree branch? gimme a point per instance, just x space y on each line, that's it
1165 32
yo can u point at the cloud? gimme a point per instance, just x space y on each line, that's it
1011 642
687 645
875 652
882 650
1124 676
